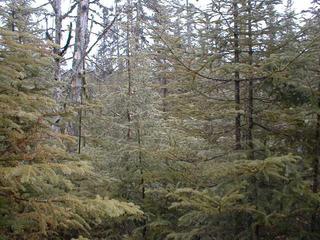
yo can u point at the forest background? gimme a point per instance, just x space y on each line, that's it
145 119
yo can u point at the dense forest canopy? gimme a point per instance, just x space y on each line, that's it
159 120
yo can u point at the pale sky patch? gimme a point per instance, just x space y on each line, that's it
298 5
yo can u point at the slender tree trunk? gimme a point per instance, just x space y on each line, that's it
256 232
129 25
119 61
77 82
315 185
142 184
316 164
188 24
57 40
13 16
237 76
250 85
159 59
164 91
137 30
56 5
141 165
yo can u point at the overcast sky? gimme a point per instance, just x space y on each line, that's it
299 5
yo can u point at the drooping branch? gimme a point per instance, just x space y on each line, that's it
66 46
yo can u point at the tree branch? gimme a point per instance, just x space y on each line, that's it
102 34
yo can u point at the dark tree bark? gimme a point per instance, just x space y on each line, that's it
316 163
129 70
250 85
237 75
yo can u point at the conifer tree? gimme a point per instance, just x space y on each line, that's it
39 179
206 117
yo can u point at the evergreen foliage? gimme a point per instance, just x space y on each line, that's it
190 122
41 183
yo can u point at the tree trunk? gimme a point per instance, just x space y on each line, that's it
57 39
250 85
56 5
119 60
315 185
316 163
129 26
237 76
160 60
188 24
77 82
142 184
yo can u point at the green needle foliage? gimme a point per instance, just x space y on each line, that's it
40 191
192 122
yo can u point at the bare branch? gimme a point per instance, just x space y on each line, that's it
102 34
70 11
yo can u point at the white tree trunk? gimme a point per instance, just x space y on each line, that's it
78 65
80 47
56 5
